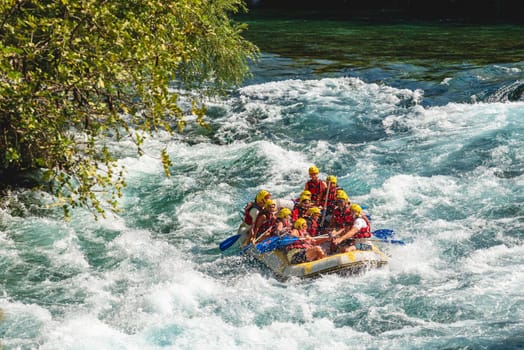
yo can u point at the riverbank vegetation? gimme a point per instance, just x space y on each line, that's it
78 74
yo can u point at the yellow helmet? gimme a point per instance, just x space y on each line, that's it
262 195
305 193
313 170
269 203
331 178
283 213
313 210
304 198
356 209
299 223
342 195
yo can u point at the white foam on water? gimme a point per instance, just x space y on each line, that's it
88 332
67 253
400 194
162 291
21 323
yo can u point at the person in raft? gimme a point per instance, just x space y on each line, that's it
283 224
356 236
251 211
328 199
313 219
301 208
306 248
265 221
341 218
316 186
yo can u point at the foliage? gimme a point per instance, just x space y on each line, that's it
74 73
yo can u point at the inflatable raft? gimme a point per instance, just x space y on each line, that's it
348 263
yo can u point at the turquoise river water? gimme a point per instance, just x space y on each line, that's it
423 123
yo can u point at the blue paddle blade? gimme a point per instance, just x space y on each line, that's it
383 233
392 241
229 242
286 240
397 241
275 242
268 244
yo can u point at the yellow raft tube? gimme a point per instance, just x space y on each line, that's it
352 262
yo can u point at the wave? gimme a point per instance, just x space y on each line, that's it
447 179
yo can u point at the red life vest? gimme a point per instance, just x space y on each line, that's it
298 212
285 229
247 218
342 217
299 244
315 187
331 199
312 226
364 232
268 223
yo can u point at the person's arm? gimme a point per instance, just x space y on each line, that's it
258 222
336 233
357 225
254 213
317 240
352 231
266 234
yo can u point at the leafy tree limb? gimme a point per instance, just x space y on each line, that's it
74 72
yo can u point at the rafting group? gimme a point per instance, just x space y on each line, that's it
322 221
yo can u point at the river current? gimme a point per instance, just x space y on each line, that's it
422 123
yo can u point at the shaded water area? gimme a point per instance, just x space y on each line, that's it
420 122
413 54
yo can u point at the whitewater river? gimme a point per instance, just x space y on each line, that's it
422 124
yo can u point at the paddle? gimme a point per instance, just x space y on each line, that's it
228 242
325 205
392 241
268 244
280 242
383 233
256 240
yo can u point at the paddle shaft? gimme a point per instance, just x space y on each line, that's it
392 241
325 204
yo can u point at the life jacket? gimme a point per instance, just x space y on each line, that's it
331 199
285 229
364 232
298 212
314 187
342 217
298 244
312 226
268 223
247 218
